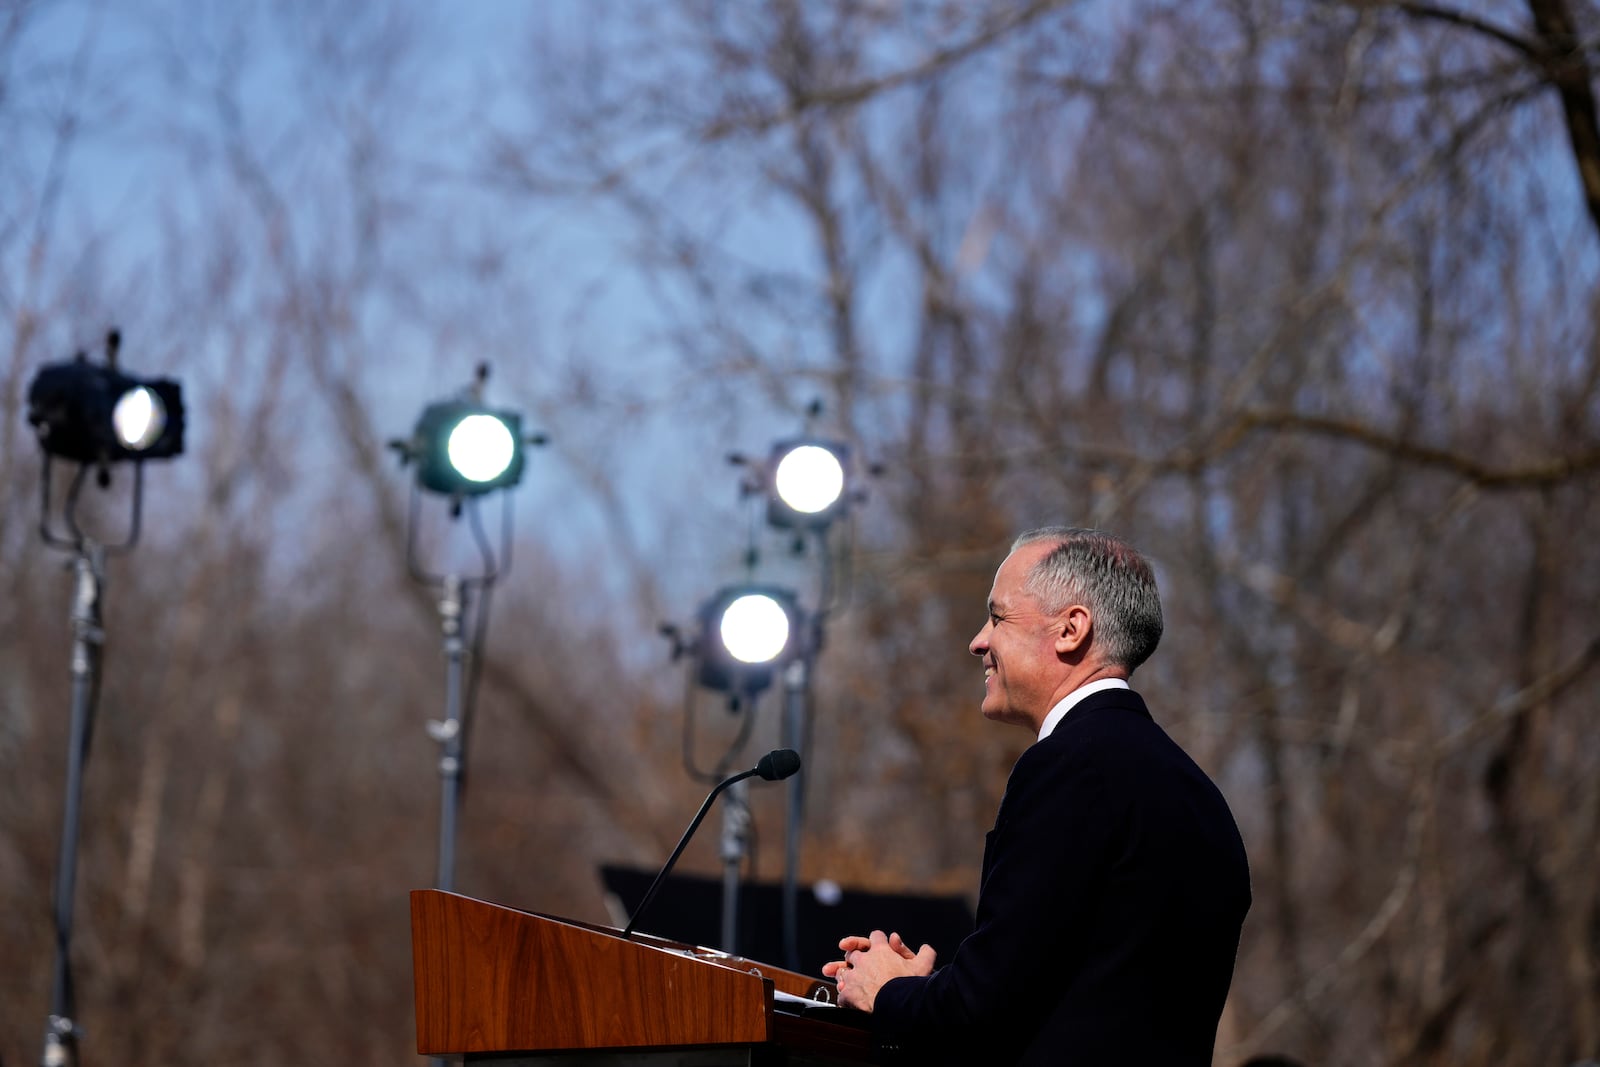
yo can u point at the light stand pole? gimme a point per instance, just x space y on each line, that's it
735 842
451 732
734 845
794 729
796 698
88 639
452 604
61 1029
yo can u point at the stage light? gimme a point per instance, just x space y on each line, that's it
464 449
808 483
96 414
746 633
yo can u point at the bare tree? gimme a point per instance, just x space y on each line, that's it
1297 295
1285 291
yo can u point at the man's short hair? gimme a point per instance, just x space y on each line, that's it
1109 577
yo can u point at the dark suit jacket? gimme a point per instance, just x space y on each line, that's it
1114 887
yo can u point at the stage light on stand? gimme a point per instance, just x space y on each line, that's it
94 415
463 450
807 483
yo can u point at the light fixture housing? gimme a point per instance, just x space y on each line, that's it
466 449
94 413
808 483
747 633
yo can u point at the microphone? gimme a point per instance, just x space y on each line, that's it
775 766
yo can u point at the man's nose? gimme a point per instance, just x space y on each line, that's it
980 643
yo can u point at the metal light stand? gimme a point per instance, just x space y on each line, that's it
736 823
735 843
88 639
736 819
795 728
451 732
452 603
796 701
455 592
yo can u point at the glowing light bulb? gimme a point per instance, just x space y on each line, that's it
481 448
809 479
138 418
754 628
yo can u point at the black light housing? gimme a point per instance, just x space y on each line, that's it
747 632
465 449
94 413
807 483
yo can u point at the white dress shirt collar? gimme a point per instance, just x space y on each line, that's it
1070 701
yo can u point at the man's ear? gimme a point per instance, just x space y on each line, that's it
1074 626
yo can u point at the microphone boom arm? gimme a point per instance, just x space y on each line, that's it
774 766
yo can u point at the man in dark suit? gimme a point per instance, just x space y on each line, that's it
1114 881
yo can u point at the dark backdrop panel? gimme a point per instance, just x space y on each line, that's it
688 908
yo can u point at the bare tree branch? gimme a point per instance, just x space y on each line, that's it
1568 69
1451 16
1555 471
1563 63
1539 691
855 93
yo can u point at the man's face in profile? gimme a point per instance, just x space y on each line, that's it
1021 667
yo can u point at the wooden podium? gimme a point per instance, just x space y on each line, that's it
498 985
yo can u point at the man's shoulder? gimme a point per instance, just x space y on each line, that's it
1113 732
1110 715
1100 731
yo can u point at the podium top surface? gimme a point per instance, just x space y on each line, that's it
489 978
